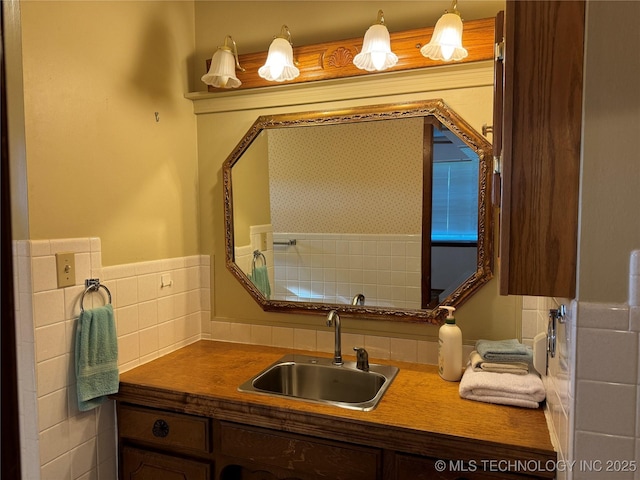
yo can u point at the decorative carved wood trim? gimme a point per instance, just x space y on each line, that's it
331 60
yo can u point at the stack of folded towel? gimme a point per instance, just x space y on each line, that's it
501 356
499 372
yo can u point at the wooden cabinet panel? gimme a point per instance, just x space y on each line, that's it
143 465
422 468
543 68
237 472
199 448
165 428
311 457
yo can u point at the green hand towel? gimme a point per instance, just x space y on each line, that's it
504 351
96 357
260 278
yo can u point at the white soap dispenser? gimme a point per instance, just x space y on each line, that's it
450 349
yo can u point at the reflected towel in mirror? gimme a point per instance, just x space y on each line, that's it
260 278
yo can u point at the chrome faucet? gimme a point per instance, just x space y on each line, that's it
333 319
358 299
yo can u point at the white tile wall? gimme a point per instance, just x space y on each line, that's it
58 441
558 407
593 386
607 416
321 340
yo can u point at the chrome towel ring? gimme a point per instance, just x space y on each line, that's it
92 285
258 255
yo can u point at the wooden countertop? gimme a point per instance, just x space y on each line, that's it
420 413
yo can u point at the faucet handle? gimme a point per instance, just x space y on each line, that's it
362 359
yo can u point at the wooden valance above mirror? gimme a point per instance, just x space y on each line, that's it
332 60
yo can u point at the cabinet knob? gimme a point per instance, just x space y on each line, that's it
160 429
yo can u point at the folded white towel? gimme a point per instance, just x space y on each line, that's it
502 388
480 365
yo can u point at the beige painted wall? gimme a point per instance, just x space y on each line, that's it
98 162
609 223
100 165
251 205
253 25
486 315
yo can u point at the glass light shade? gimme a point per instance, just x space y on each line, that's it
446 42
376 54
279 66
222 71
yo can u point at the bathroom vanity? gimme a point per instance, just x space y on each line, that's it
182 416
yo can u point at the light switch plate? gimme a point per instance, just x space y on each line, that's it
66 269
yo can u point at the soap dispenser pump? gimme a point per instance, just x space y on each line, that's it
450 348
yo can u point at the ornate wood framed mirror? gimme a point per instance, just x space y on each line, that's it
386 202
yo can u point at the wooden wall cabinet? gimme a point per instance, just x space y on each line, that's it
542 82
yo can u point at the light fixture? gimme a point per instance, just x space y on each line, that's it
376 54
446 42
222 71
279 66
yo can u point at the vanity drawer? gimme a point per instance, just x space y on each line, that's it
167 429
300 454
144 465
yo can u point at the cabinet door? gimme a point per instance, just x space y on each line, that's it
287 455
142 465
409 467
543 57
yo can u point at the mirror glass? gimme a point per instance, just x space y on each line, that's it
328 210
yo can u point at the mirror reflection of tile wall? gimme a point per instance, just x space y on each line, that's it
333 268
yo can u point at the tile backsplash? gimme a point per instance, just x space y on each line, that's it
159 307
322 340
